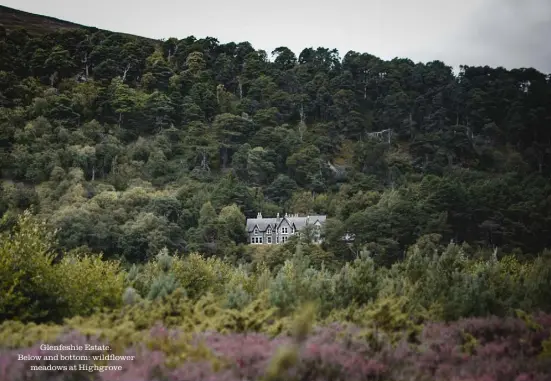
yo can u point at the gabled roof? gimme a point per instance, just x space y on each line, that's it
262 223
298 221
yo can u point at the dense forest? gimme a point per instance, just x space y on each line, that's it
129 145
129 165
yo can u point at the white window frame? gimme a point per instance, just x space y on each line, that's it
256 231
269 230
269 240
284 230
260 239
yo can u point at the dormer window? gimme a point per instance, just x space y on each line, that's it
292 230
269 230
255 231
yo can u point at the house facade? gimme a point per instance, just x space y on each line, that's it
278 230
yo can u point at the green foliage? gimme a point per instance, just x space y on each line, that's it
35 288
199 276
16 334
302 324
238 298
285 358
469 343
357 282
162 286
86 282
388 319
121 140
130 296
27 277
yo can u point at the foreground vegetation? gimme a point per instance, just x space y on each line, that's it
444 312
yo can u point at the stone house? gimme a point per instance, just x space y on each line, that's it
277 230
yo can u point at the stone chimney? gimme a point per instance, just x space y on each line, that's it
259 215
278 216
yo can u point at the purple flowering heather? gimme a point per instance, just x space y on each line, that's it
467 350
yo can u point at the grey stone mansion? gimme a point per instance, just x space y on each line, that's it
277 230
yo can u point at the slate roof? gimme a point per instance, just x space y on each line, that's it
298 221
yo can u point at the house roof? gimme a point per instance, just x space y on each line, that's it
298 221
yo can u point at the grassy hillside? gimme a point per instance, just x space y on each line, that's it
12 19
37 25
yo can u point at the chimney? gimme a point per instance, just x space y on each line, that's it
259 215
278 216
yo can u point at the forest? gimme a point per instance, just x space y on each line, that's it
129 166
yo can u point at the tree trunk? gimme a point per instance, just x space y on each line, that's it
125 72
86 65
114 165
204 161
240 87
224 157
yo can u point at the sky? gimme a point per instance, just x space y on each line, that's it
508 33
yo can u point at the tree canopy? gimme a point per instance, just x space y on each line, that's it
129 145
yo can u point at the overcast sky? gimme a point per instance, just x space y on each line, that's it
509 33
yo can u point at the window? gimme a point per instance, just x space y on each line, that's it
283 239
255 231
292 230
260 240
269 240
277 239
284 230
269 230
317 233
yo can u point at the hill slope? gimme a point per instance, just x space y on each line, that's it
12 19
130 145
37 25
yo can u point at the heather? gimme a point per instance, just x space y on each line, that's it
446 312
489 349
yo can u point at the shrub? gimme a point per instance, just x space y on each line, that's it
198 275
130 296
27 280
356 283
86 282
162 286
